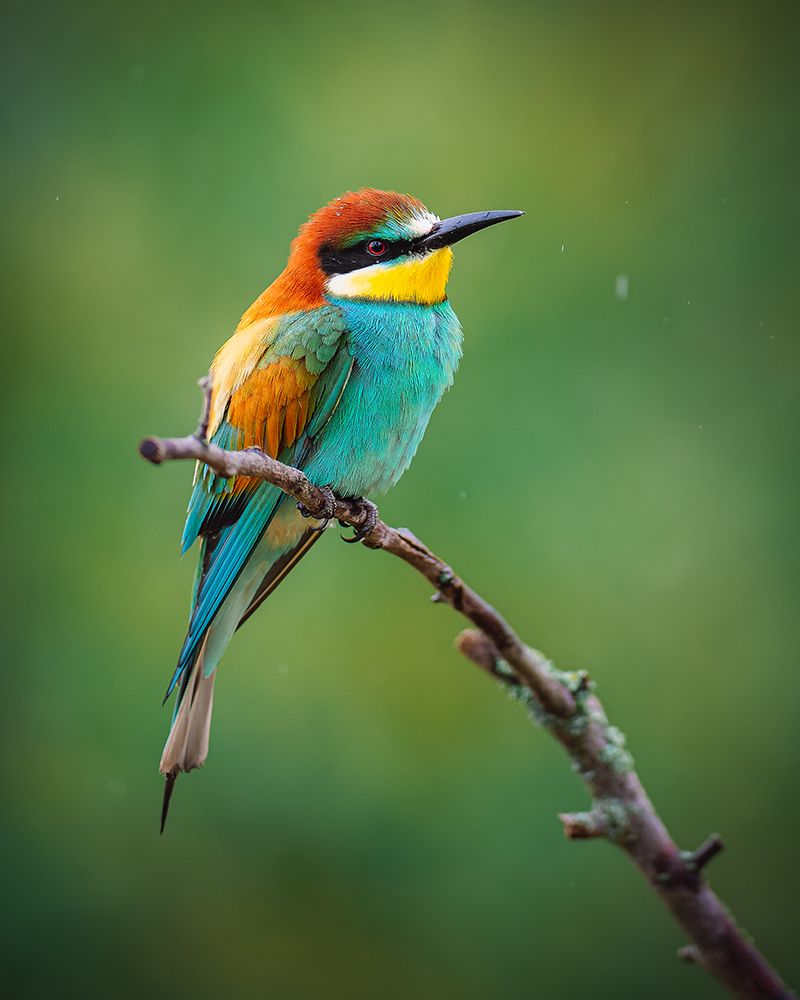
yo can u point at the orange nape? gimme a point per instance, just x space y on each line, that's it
301 285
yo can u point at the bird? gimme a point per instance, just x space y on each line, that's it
334 369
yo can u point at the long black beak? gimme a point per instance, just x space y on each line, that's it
450 231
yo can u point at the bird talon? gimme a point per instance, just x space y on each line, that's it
327 512
368 522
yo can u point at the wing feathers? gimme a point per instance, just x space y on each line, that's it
279 569
278 401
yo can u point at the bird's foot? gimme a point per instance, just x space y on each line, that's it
369 518
327 513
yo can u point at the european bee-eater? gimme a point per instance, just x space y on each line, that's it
335 369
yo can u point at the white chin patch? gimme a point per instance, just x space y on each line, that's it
353 283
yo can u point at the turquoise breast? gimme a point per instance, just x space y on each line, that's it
405 358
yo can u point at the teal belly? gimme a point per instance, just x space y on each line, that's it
405 358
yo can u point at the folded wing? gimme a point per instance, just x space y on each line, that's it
274 388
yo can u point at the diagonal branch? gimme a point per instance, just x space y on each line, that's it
530 665
562 703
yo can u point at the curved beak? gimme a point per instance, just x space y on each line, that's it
450 231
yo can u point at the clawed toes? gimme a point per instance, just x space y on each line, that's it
368 522
369 515
327 512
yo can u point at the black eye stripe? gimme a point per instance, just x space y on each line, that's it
340 260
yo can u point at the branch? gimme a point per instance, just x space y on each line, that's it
562 703
531 666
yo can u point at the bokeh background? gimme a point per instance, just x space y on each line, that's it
616 469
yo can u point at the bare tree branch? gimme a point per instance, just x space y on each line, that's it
562 703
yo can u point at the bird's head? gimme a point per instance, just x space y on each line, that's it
371 244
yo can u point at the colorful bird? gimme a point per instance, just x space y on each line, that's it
335 369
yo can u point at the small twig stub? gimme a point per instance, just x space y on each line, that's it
206 384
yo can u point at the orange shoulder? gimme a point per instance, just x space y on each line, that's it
270 408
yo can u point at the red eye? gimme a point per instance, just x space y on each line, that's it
376 248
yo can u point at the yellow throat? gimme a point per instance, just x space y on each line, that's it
413 279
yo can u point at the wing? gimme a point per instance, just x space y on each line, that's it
275 385
278 397
278 571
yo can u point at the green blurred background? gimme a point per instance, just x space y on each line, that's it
618 474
